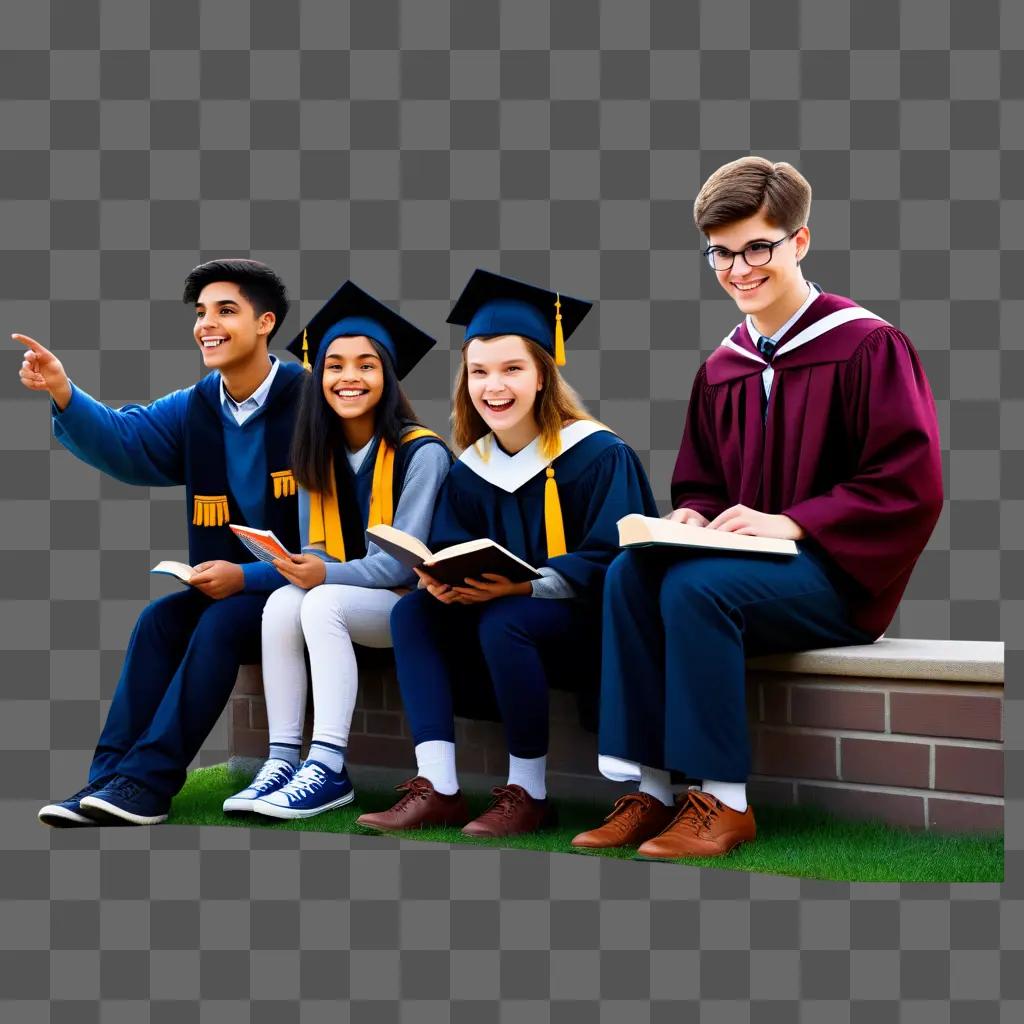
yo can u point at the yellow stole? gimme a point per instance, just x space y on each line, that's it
324 517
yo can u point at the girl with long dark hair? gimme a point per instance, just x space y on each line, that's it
359 458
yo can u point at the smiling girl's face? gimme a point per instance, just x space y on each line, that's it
503 382
353 377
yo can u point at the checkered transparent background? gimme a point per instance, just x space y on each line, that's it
404 144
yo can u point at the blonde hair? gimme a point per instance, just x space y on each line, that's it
748 186
555 404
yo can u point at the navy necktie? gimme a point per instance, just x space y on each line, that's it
767 347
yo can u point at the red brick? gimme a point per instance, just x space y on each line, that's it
258 714
969 769
573 752
383 723
383 751
884 762
472 759
962 715
248 743
371 693
773 794
948 815
358 722
392 695
865 805
775 703
795 754
239 713
835 708
249 680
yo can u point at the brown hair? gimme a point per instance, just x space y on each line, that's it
555 404
748 186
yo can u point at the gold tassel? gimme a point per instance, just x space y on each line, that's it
210 510
559 335
553 528
305 350
284 483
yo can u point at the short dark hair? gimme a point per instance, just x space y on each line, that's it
318 432
260 286
749 185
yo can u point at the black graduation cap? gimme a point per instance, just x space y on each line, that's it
493 304
351 311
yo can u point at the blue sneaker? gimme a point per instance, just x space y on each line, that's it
313 788
123 801
66 813
272 775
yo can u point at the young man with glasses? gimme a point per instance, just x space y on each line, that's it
812 421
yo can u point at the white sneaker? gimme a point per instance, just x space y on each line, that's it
273 774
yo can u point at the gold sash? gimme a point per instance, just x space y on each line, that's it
324 516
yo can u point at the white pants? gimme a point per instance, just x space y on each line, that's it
327 620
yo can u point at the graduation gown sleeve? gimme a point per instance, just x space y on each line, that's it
136 444
698 481
874 524
613 486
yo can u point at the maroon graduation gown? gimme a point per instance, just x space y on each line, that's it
850 449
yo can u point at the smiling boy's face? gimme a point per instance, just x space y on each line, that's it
227 328
767 292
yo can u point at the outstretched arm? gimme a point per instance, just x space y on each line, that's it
136 444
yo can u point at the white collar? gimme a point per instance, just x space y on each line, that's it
813 292
510 472
259 396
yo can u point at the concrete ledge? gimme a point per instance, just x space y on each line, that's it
954 661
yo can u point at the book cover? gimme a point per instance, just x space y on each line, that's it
646 531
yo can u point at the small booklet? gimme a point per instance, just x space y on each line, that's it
453 565
179 570
637 531
262 543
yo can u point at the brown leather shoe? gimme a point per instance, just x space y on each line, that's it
704 827
513 812
421 806
635 818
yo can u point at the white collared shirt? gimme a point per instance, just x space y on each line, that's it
241 411
768 374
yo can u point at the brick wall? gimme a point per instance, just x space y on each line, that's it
920 754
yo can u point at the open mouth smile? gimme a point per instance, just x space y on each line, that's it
748 287
213 341
350 394
496 405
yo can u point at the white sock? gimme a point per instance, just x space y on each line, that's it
732 794
327 754
529 772
656 782
435 761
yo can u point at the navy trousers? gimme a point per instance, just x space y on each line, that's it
508 647
179 670
676 632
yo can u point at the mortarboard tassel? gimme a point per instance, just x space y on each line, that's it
305 350
553 528
559 336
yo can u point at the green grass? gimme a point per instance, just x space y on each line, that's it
791 841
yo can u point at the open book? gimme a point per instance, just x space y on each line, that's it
453 565
636 531
262 543
179 570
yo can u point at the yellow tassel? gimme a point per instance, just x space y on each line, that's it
559 335
284 483
553 528
210 510
305 350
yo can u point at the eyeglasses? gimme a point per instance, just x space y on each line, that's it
757 254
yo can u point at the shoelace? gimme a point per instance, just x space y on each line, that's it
270 774
125 787
506 800
626 810
412 789
87 790
698 811
303 783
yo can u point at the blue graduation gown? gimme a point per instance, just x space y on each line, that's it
519 644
